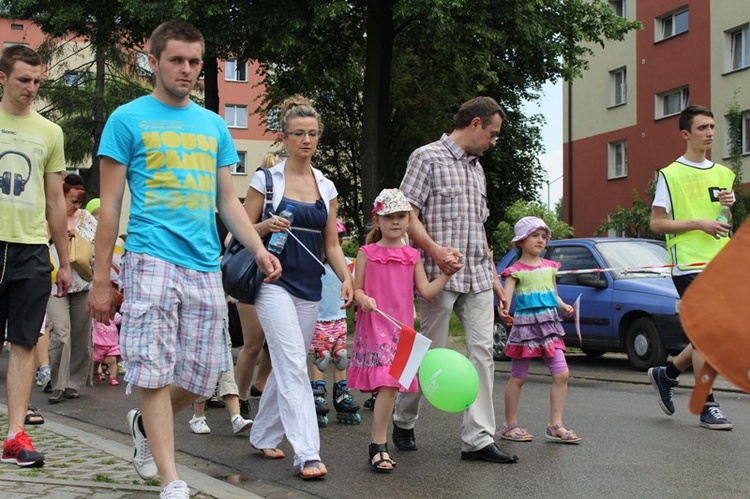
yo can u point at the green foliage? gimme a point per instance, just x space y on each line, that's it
431 55
741 207
444 52
350 246
559 208
634 221
503 234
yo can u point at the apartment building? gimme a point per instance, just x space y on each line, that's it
621 118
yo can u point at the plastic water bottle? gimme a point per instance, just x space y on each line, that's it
278 239
723 217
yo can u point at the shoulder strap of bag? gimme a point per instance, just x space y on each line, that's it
268 209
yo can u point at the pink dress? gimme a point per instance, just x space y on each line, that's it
389 278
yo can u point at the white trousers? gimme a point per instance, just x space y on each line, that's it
476 313
287 406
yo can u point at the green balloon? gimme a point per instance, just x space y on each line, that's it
448 380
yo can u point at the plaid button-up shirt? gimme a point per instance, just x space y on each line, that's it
449 188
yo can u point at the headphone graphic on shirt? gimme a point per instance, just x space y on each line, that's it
19 183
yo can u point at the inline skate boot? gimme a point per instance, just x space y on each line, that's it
346 407
321 406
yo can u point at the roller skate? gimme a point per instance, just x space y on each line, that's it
369 404
321 406
345 405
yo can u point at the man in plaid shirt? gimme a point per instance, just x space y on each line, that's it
446 186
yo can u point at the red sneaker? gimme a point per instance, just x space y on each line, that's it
21 451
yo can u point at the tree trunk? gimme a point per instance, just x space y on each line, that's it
93 184
211 83
376 101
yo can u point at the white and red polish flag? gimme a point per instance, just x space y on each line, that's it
410 351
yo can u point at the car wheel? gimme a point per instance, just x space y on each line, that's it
499 339
644 346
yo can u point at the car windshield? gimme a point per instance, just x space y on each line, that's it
638 257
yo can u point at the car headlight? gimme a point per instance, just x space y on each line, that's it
677 306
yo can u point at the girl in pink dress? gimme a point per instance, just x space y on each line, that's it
387 271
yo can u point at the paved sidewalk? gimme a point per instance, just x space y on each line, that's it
81 465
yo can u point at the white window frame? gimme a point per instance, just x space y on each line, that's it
618 87
614 232
667 25
619 8
617 159
239 168
143 68
738 48
235 71
235 115
678 95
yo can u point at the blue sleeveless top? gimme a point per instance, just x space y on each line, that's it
300 274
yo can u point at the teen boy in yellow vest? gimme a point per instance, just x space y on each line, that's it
689 197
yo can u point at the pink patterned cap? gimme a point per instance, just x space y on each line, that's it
527 226
390 201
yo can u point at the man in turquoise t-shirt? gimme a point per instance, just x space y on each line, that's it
173 155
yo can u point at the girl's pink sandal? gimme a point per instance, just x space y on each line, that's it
568 437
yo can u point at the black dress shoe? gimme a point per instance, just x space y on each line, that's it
71 393
254 392
48 387
215 403
491 453
56 397
403 439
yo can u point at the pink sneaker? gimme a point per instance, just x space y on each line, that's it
97 378
113 381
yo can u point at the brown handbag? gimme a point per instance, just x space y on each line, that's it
80 253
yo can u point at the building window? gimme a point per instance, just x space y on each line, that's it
619 87
10 44
618 7
618 160
16 26
235 71
239 168
672 102
739 48
672 24
235 116
75 78
143 68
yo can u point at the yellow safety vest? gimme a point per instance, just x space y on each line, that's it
694 194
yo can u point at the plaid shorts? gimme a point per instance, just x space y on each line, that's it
173 328
329 335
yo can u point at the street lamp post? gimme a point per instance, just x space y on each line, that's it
550 182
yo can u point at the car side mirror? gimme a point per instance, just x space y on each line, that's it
592 281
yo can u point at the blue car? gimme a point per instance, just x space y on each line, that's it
632 311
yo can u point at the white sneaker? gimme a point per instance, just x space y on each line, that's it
143 460
199 425
240 424
175 490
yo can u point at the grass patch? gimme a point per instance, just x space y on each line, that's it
103 478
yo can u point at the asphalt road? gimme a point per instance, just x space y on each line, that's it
630 447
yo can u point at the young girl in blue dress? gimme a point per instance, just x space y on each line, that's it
536 330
